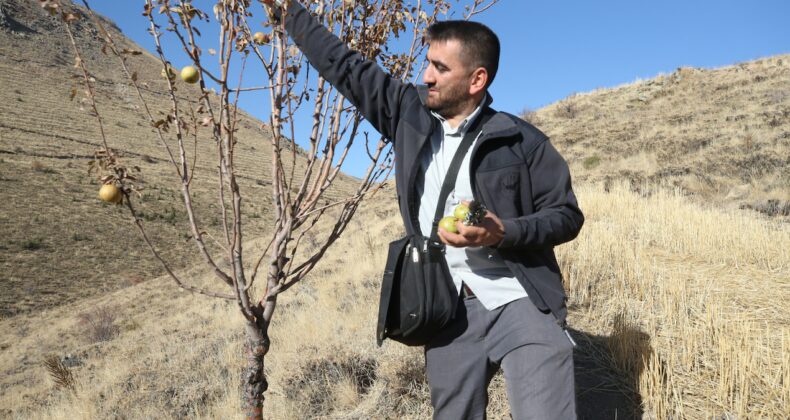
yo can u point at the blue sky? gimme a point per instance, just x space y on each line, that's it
551 49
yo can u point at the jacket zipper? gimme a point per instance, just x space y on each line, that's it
472 180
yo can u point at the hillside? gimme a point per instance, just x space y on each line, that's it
57 241
674 316
722 135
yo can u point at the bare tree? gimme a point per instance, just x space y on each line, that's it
299 202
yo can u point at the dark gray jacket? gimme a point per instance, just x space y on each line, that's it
515 171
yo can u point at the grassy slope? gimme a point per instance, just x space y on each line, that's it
721 134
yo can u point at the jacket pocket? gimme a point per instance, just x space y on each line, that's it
509 182
502 181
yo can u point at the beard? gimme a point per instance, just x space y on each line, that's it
448 102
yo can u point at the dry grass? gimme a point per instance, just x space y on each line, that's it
704 287
59 373
679 311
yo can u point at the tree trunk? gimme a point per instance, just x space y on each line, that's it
253 380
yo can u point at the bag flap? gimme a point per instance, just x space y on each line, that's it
397 251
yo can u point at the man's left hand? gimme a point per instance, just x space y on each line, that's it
488 232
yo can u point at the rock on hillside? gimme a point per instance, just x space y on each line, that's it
721 134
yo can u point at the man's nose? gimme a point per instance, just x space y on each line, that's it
427 76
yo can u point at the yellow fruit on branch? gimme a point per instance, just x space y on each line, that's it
190 74
110 193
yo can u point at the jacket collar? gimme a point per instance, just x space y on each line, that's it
499 125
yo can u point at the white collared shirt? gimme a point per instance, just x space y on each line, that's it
481 268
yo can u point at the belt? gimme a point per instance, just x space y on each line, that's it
466 292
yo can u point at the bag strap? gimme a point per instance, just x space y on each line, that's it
452 172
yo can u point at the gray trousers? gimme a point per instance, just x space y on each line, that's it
533 351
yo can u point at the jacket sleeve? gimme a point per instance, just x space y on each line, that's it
375 93
557 217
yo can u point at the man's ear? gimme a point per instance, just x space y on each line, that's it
479 79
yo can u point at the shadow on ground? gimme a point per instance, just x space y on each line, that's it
607 373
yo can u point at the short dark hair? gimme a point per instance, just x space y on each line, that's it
480 44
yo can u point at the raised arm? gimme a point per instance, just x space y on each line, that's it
376 94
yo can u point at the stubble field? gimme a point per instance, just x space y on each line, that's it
679 311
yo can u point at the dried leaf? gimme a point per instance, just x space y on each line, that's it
134 76
205 122
159 123
73 93
131 52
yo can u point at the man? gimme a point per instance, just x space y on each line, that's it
513 311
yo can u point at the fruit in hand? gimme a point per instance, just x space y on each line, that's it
261 38
189 74
109 193
448 223
461 212
470 214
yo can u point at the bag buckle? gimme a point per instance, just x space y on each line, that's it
433 244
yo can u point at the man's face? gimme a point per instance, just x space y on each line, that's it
447 77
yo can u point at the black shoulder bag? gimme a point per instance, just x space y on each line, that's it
418 296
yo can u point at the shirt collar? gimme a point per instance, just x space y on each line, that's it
465 124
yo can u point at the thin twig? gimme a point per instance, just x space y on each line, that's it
475 11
